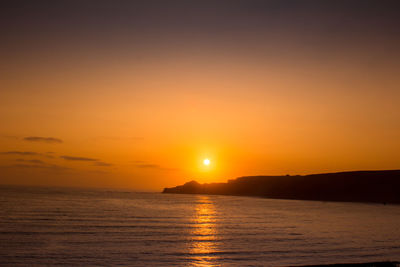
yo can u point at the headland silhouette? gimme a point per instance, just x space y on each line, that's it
352 186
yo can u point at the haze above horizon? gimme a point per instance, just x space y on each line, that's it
152 94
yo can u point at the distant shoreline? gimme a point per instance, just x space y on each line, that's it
356 186
366 264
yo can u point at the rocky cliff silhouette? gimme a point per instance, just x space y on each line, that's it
355 186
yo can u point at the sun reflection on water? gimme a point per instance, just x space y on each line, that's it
204 233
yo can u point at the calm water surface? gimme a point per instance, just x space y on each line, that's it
49 226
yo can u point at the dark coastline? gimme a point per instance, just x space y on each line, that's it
367 264
357 186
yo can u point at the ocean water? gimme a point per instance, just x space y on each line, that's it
50 226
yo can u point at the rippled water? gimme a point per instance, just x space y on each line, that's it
44 226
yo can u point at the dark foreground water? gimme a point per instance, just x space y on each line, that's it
40 226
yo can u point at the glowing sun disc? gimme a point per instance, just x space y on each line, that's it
206 162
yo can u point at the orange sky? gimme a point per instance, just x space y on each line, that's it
143 113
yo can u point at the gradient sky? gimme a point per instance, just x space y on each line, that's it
135 94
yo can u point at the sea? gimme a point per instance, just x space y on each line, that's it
94 227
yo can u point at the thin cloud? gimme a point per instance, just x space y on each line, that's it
34 161
9 136
37 166
122 137
148 166
143 165
20 153
102 164
136 162
26 153
96 162
43 139
99 171
72 158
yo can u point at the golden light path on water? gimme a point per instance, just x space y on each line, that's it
204 233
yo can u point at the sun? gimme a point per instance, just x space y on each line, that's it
206 162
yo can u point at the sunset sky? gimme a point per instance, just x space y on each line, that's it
136 94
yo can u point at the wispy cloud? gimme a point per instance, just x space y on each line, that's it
148 166
73 158
26 153
45 166
144 165
96 162
20 153
36 164
102 164
43 139
34 161
9 136
138 138
137 162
